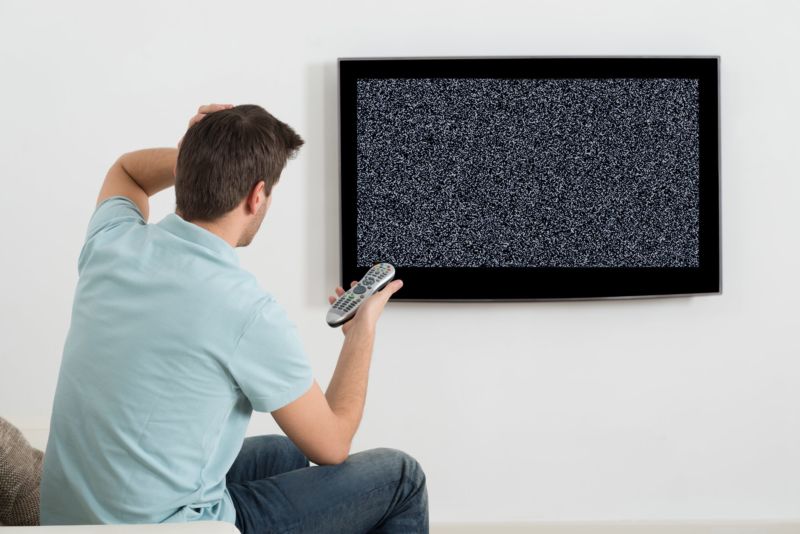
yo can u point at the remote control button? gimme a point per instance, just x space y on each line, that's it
359 289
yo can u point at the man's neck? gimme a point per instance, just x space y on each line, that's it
222 231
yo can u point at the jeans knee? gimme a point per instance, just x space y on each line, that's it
410 469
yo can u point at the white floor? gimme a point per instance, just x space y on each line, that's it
632 527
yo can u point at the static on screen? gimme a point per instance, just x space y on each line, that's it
465 172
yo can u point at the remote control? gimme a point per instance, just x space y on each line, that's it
345 306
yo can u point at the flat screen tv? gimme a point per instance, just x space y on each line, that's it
532 178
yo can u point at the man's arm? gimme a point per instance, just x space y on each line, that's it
141 174
323 425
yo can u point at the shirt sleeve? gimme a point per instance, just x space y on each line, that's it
112 212
269 363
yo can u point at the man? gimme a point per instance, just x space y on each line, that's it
172 345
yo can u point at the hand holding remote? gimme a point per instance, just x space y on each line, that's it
367 311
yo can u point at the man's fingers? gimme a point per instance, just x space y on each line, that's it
211 108
202 111
194 120
390 289
353 283
339 292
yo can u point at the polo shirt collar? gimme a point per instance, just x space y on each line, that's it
174 224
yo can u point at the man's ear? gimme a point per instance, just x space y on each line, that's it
256 197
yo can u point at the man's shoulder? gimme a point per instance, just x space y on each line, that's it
112 212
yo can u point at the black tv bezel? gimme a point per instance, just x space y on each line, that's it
542 283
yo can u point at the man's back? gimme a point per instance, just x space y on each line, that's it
171 346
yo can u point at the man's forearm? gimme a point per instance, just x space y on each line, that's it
153 169
347 390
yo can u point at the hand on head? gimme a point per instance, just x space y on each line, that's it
202 111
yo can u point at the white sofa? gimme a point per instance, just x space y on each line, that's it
38 438
197 527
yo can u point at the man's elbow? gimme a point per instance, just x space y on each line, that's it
332 456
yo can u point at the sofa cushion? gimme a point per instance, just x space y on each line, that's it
20 473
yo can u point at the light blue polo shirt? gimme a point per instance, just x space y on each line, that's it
170 348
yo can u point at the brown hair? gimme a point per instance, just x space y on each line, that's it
224 155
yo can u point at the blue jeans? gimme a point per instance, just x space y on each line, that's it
274 490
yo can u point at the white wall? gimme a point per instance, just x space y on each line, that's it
650 409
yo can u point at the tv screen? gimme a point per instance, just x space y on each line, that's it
532 178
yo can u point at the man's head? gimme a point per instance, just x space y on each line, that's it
227 165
